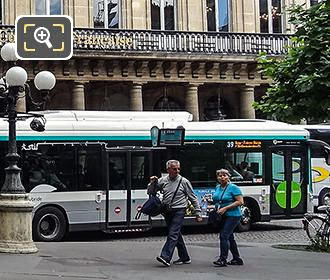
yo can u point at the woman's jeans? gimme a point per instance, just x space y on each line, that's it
227 240
174 221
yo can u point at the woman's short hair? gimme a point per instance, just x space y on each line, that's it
222 171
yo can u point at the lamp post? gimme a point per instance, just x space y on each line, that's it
15 208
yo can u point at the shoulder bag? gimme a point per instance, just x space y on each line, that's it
153 206
215 219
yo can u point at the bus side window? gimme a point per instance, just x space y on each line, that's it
245 167
140 171
50 165
59 165
199 163
117 167
89 169
33 171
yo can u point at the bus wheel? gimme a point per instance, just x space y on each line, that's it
49 224
246 220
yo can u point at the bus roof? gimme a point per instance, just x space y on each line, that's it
320 126
99 125
63 115
318 131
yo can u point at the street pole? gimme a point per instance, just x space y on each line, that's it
12 182
15 207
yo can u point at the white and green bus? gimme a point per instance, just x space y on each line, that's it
90 170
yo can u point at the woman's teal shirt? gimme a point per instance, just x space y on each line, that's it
228 198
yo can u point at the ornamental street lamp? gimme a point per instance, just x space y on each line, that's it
15 208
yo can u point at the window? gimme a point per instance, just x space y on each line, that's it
89 168
167 104
217 15
270 16
163 14
210 9
244 167
63 167
106 13
199 163
49 7
117 171
217 108
140 171
50 165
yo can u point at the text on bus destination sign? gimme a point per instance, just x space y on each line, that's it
244 144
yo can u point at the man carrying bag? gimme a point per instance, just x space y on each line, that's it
176 190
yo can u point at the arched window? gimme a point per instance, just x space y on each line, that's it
217 15
163 14
217 108
49 7
270 16
106 13
167 104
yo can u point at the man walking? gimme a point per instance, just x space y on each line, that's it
176 190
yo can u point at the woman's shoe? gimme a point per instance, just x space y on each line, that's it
220 263
236 262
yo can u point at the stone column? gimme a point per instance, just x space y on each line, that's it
136 101
246 100
78 96
191 101
21 105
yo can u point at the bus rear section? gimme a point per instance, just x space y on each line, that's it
320 167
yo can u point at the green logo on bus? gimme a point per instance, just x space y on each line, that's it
280 194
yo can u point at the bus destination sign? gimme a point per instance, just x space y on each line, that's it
244 144
167 136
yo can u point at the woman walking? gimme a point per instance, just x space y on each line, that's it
228 199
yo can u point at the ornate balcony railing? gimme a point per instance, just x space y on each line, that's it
211 43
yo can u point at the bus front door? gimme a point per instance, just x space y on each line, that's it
128 176
289 182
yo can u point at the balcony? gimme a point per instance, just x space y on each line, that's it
154 41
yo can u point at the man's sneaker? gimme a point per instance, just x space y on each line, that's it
163 261
180 261
236 262
220 263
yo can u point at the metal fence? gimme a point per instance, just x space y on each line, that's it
213 43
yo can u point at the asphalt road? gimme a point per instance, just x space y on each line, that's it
90 256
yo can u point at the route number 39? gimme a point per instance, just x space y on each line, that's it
230 144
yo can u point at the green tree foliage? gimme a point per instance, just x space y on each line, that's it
301 80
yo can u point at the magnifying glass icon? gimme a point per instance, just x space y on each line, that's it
41 35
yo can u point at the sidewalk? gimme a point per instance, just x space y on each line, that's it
126 259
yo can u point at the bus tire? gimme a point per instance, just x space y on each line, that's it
324 194
246 220
49 224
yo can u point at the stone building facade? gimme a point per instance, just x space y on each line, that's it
194 55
